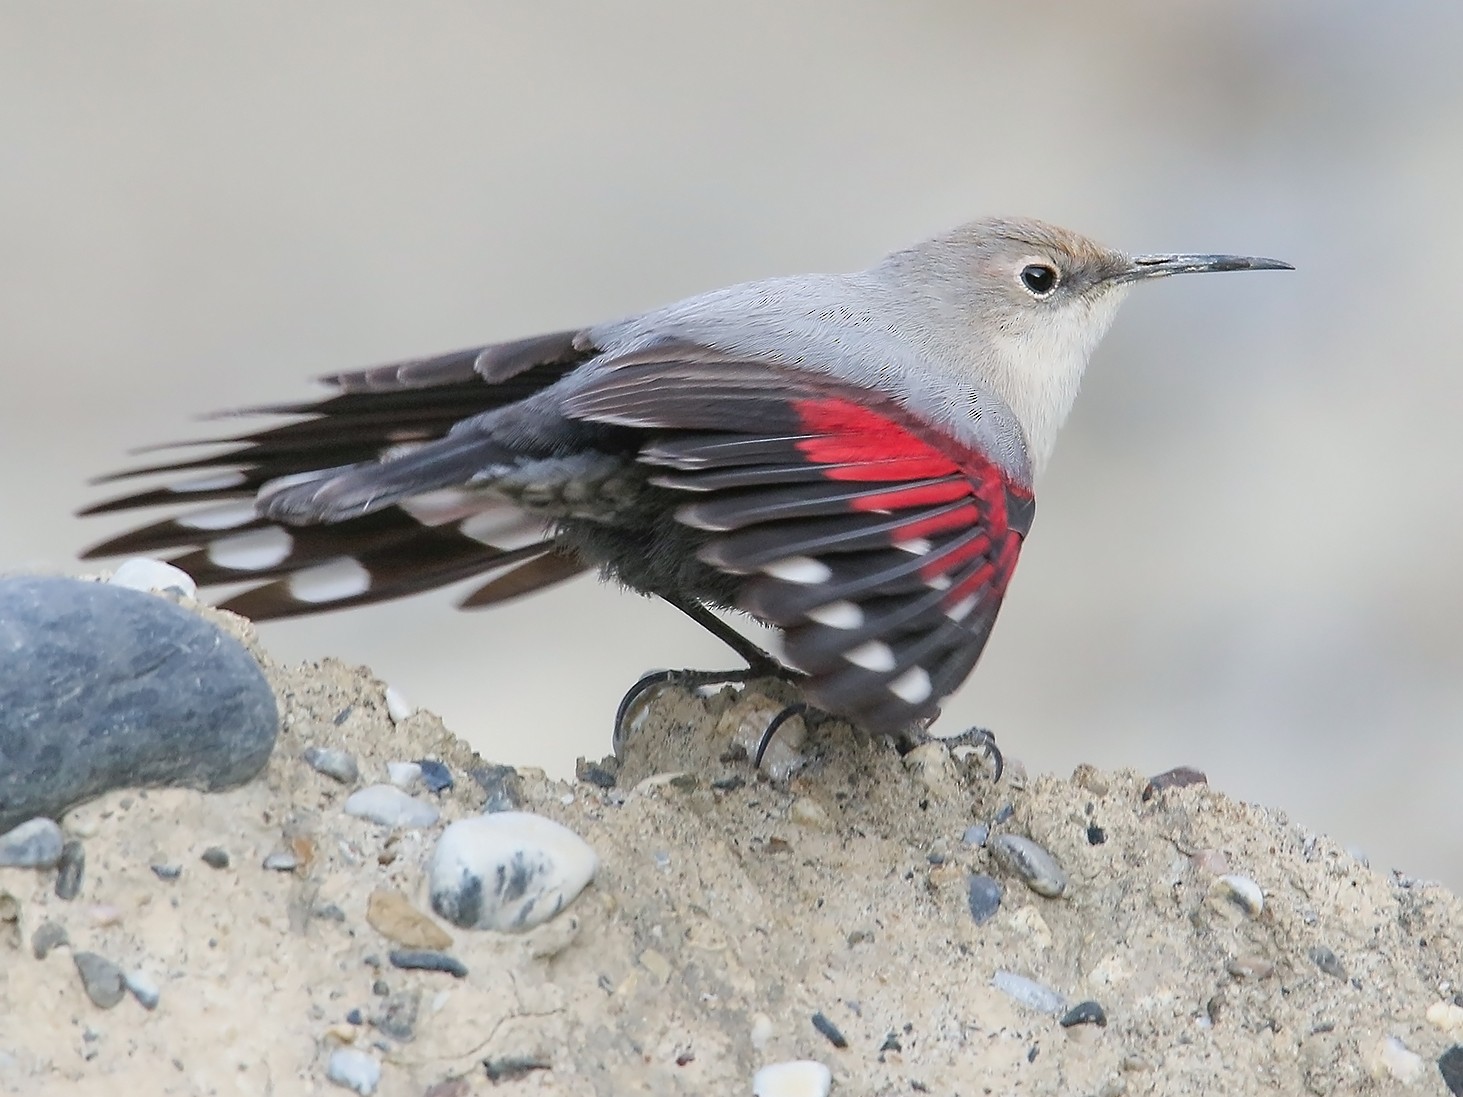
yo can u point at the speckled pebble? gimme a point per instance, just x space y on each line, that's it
215 857
807 812
984 894
102 979
1237 894
795 1078
977 834
48 937
503 785
1029 992
397 1016
829 1030
508 871
1178 777
390 807
1450 1065
436 776
166 872
338 765
70 870
1085 1013
354 1070
143 989
35 843
1030 863
1327 961
146 574
282 860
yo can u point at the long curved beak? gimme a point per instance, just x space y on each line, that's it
1161 266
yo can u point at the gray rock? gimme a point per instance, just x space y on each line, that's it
336 764
70 870
1029 992
354 1070
984 894
103 980
1030 863
215 857
48 937
106 687
36 843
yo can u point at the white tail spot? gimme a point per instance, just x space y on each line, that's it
256 550
503 528
915 546
331 582
961 610
874 655
223 516
214 482
803 570
913 686
841 614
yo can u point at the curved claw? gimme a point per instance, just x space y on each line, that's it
798 708
692 679
983 740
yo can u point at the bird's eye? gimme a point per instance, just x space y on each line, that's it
1039 278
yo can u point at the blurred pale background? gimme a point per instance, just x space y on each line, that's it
1248 551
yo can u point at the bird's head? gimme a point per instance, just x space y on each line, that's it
1022 304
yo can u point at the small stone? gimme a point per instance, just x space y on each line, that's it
513 1067
355 1017
436 776
419 959
390 807
1447 1016
1178 777
397 1016
1213 861
931 765
143 989
397 706
977 834
795 1078
104 914
807 812
70 870
1237 894
1250 967
329 912
502 784
1391 1058
599 774
282 860
404 775
984 894
1030 863
153 576
391 914
354 1070
1029 992
101 978
830 1031
36 843
215 857
508 871
106 687
1096 836
166 872
1328 962
48 937
1450 1065
1085 1013
1092 779
338 765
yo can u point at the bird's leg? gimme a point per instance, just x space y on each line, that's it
760 664
981 739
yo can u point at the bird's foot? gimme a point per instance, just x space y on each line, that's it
639 693
980 740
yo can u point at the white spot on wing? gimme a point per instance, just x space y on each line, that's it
223 516
841 614
961 610
343 578
939 582
803 570
253 551
213 482
503 528
915 546
874 655
913 686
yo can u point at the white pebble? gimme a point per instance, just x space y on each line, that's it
396 705
404 774
143 989
354 1070
1392 1058
147 574
796 1078
509 871
1029 992
390 807
1237 893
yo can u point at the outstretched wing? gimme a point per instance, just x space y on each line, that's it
881 547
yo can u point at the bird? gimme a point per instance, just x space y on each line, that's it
849 458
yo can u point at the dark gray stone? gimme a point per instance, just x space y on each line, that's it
103 980
103 687
70 870
36 843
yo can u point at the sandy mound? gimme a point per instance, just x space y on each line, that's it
729 912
